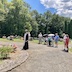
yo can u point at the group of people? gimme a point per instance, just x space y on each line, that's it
53 40
49 40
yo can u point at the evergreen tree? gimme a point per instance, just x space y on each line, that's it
66 27
70 29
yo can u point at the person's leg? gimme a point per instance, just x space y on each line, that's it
49 43
39 40
52 43
24 47
67 47
56 44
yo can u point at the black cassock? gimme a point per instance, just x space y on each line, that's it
25 47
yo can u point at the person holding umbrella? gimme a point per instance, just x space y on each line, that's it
51 40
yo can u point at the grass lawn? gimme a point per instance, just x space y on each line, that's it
14 40
70 50
36 41
19 40
60 42
0 61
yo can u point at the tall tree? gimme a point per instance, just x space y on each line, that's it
48 19
70 29
66 27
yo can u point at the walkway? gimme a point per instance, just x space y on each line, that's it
46 59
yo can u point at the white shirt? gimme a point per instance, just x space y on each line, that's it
40 35
64 38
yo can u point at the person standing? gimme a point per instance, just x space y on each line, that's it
40 38
67 43
49 40
26 38
56 38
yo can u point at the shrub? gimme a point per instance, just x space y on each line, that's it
4 51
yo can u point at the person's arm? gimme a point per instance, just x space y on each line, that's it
58 38
29 35
24 38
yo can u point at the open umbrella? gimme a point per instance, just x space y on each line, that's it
51 35
45 35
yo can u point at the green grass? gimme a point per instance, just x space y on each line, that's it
19 40
60 42
70 50
36 41
1 61
14 40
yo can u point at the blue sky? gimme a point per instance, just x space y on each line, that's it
9 0
36 5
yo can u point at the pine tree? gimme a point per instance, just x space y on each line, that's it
70 29
66 27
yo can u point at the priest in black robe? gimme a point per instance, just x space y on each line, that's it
26 38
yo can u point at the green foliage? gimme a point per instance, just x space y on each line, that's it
28 26
34 31
70 50
68 28
4 51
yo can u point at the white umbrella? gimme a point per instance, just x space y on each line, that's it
51 35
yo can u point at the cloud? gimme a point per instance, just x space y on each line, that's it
63 7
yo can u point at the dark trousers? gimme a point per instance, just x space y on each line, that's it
49 43
25 47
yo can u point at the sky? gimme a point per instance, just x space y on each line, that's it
36 5
61 7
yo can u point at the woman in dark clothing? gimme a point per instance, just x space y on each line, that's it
49 41
26 37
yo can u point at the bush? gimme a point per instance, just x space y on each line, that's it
4 51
